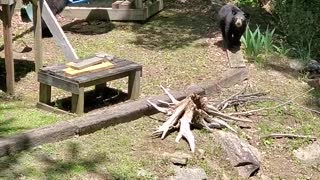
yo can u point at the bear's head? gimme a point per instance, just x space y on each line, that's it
239 18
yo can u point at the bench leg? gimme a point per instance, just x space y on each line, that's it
45 93
134 85
77 105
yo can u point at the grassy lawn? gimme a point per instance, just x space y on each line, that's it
177 47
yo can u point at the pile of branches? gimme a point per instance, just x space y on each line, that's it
196 111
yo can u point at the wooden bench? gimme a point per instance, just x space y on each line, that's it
55 76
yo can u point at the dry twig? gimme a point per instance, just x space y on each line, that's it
270 108
277 135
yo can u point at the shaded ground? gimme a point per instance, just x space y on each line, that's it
177 47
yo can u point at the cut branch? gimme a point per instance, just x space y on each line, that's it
174 100
173 118
270 108
277 135
185 130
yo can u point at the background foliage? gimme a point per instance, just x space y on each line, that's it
296 23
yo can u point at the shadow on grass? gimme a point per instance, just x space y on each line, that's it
89 27
11 158
5 126
179 25
21 68
74 164
95 99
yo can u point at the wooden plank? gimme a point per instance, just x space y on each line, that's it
77 105
154 8
38 49
7 36
52 109
134 85
104 79
125 5
70 72
108 73
86 63
116 4
99 13
138 4
58 82
235 58
45 93
7 2
58 34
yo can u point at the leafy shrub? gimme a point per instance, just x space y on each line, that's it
252 3
298 23
257 42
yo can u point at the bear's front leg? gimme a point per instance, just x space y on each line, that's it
229 40
236 39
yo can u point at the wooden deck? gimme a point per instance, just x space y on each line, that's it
107 13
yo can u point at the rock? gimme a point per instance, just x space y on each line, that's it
296 65
178 158
144 173
310 155
201 153
264 177
189 174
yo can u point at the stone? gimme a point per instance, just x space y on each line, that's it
144 173
189 174
201 153
296 65
309 155
178 158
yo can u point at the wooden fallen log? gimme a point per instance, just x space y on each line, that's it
242 156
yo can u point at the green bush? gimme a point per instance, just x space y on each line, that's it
252 3
257 42
298 24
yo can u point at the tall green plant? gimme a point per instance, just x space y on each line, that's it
257 42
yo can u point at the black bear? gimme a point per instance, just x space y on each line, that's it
56 6
233 23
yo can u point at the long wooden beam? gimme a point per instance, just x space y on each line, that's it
58 34
38 49
125 112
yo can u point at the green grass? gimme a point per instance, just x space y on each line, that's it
17 116
291 120
174 52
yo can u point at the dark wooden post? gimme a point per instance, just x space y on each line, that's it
7 12
38 53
